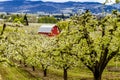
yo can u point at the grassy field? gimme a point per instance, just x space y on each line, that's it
14 73
80 73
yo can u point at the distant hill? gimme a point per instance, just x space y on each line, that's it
53 7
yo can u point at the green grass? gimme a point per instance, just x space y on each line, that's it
14 73
114 63
77 73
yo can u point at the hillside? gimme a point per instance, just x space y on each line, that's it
10 73
53 7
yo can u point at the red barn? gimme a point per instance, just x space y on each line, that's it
49 30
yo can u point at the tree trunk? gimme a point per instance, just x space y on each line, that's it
4 26
45 72
20 62
25 65
33 68
65 74
97 76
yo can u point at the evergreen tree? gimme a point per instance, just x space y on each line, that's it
26 20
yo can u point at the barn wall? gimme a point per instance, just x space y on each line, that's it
54 31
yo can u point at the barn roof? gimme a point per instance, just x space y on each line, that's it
46 28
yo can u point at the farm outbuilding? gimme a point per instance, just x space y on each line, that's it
49 30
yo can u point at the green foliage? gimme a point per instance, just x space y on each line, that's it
63 51
63 24
109 1
18 20
98 40
47 19
117 1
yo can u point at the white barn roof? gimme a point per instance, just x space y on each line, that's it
46 28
